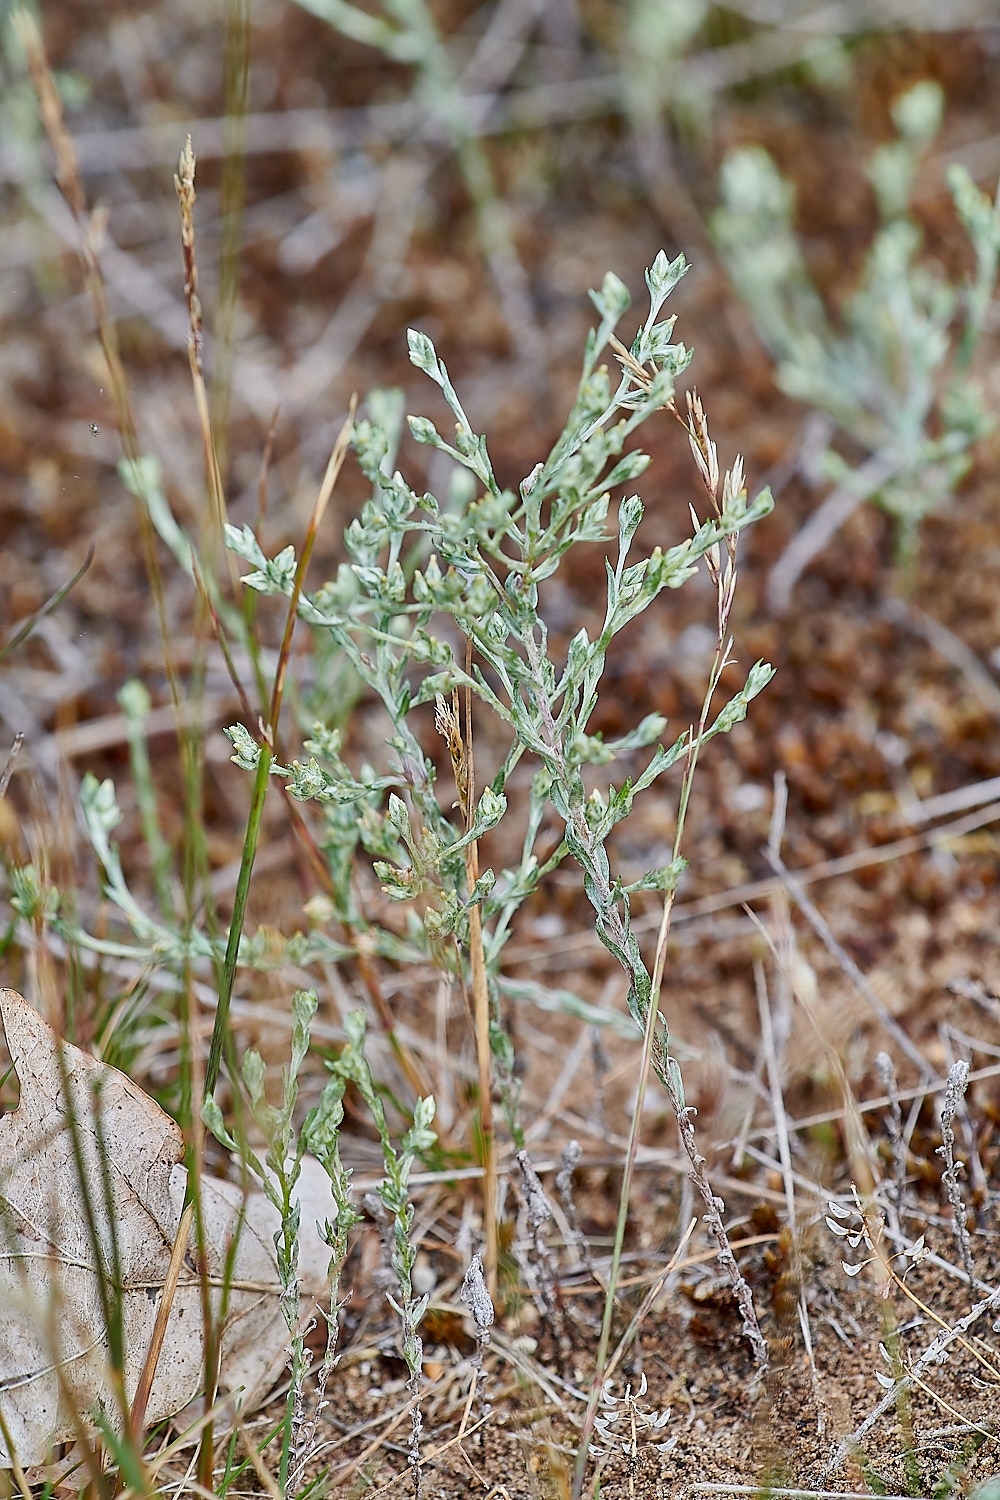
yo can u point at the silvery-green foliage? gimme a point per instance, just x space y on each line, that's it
482 559
352 1067
892 370
656 36
321 1134
279 1171
980 218
278 1174
624 1423
157 941
169 942
952 1106
31 898
281 1167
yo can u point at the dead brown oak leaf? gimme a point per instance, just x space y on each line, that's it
85 1137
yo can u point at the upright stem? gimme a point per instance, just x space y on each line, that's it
266 756
481 1013
480 1008
236 922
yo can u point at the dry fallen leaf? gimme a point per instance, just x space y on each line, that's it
84 1132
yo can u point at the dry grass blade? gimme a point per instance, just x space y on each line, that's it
448 724
267 1480
20 1479
145 1385
184 186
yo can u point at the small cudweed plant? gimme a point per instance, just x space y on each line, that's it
321 1133
958 1080
864 1225
482 560
625 1426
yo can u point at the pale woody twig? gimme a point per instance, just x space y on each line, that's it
934 1354
571 1155
538 1211
825 521
958 1079
476 1294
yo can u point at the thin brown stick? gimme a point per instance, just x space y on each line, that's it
481 1011
90 229
448 724
137 1416
467 1410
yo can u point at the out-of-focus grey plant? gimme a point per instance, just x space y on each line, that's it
893 370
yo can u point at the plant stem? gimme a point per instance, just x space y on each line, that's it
266 755
481 1013
480 1004
236 922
